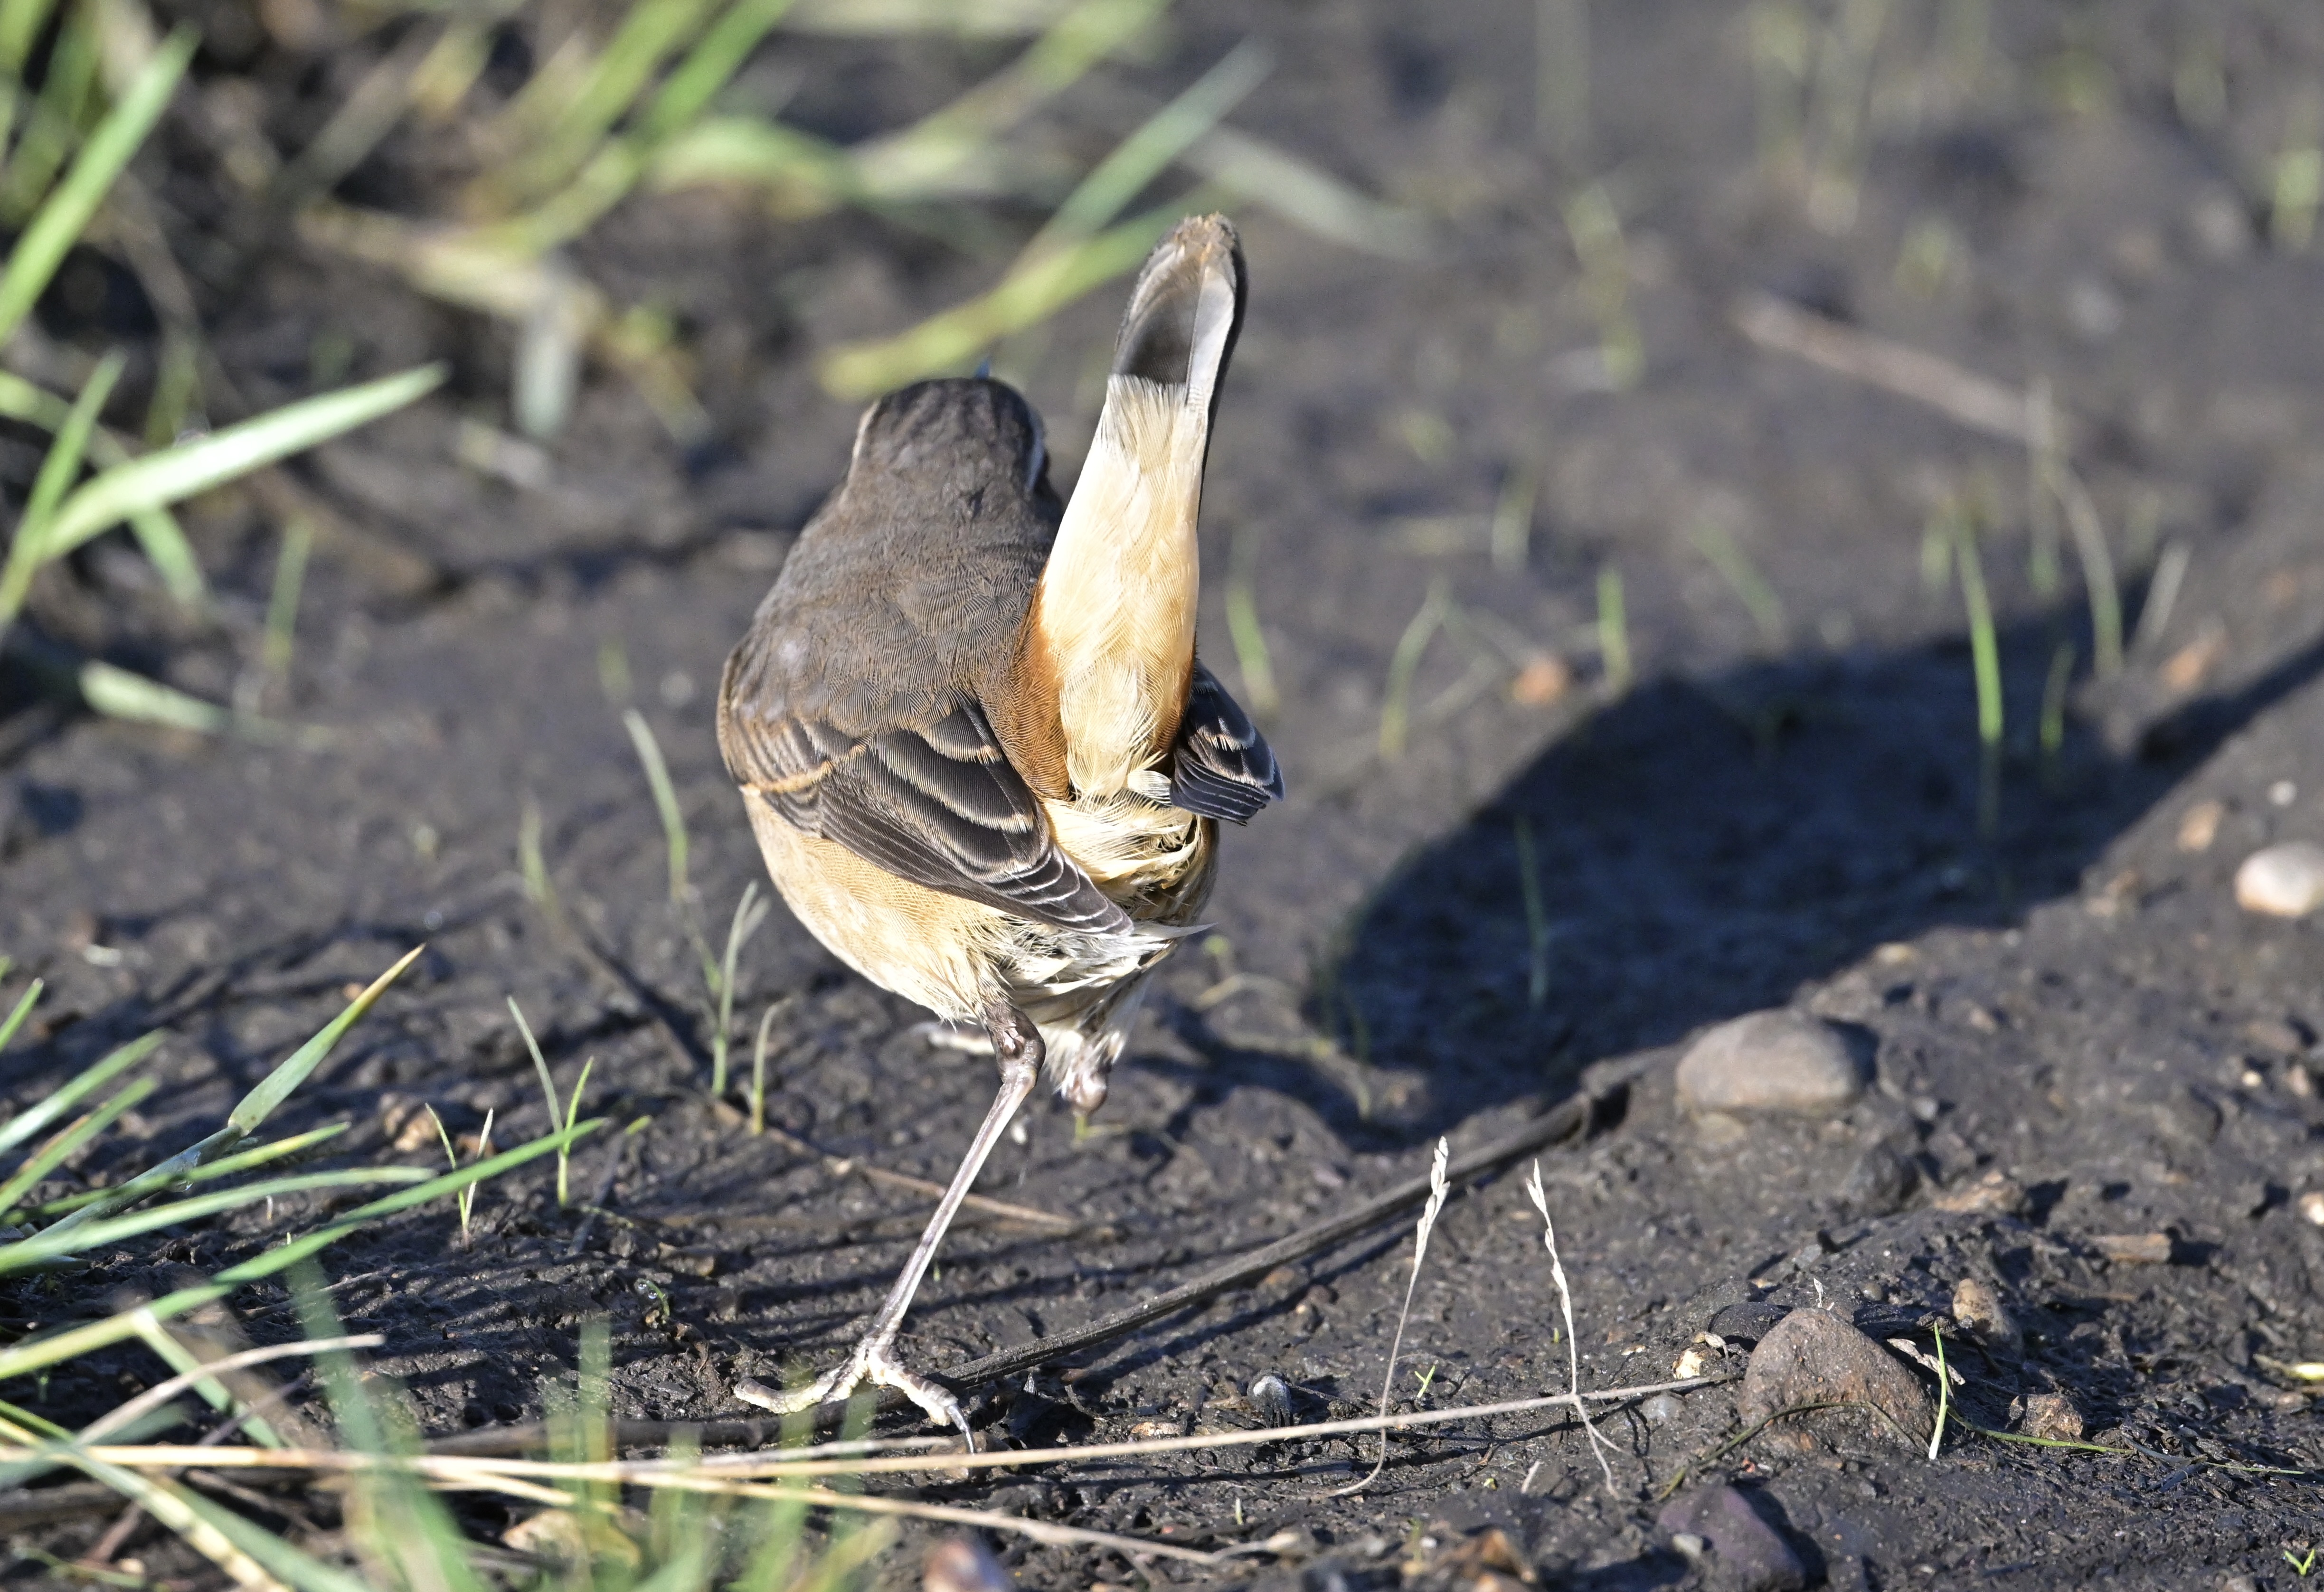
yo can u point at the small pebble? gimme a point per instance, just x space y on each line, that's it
2200 827
2278 1035
1270 1399
1977 1306
2286 880
1752 1555
1544 679
1770 1061
1880 1182
1812 1357
2133 1249
2311 1206
1660 1410
964 1564
2052 1416
1993 1193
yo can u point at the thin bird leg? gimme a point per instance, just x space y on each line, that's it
1018 1044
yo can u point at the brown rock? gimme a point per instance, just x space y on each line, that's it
2052 1416
1993 1193
2133 1249
1813 1357
1977 1306
2201 825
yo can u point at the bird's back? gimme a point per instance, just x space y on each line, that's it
910 586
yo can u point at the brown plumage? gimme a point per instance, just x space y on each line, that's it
981 759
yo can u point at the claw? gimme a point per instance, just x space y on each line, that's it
870 1363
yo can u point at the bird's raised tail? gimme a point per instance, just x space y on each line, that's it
1110 637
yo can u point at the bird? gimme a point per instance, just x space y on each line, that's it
983 763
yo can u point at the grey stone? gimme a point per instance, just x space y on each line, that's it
1813 1357
1770 1061
1880 1182
1747 1553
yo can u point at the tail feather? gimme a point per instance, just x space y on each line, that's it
1186 312
1112 630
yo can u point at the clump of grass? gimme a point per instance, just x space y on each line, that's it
57 1231
56 203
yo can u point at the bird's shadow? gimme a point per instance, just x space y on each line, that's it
1700 848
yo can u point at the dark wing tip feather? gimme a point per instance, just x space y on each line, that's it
1186 310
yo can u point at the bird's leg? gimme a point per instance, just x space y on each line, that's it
1018 1044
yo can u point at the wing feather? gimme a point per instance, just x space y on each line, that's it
1222 766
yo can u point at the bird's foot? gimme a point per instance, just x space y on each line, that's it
965 1037
872 1363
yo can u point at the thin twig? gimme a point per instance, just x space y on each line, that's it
780 1466
1975 401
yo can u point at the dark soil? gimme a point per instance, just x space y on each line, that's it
2071 1000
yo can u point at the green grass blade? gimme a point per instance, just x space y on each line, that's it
158 532
62 466
21 21
709 65
51 1244
50 1154
260 1103
16 1020
91 1077
191 467
118 694
1143 156
228 1166
66 213
23 1359
1035 288
649 32
664 796
55 121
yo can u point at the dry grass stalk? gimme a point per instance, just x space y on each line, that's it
1439 1187
1597 1445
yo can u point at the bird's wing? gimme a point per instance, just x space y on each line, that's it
932 800
1222 766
